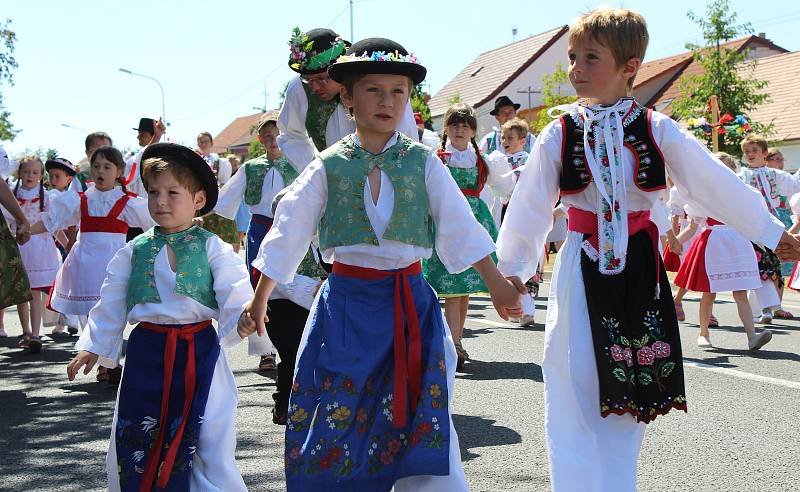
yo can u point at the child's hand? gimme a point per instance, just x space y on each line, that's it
674 245
257 313
23 232
82 358
246 326
505 297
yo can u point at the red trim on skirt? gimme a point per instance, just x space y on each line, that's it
692 274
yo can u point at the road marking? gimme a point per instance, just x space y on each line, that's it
742 374
489 322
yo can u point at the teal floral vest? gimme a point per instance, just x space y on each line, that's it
193 276
255 172
347 166
317 116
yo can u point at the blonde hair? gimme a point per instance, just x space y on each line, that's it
756 139
622 31
156 166
773 152
727 159
517 125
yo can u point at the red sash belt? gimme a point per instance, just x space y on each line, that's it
186 333
407 360
586 223
713 222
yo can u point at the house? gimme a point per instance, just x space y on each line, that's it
503 71
236 137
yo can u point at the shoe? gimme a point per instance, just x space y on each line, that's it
765 319
713 321
35 345
463 356
58 330
513 320
679 311
704 342
759 340
23 341
72 330
526 320
267 363
3 333
783 314
279 416
114 375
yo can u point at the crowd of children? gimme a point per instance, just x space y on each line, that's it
354 231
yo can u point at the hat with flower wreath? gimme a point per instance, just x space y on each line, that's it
315 50
377 55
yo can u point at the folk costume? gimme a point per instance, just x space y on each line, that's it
222 226
492 141
612 355
40 254
173 426
370 403
307 124
15 289
472 176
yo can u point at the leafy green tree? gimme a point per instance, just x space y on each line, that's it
726 73
454 99
255 148
7 64
554 93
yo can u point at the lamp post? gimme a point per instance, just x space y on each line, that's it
65 125
125 70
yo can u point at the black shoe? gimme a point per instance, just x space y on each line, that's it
279 416
72 330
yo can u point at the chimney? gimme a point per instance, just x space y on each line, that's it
762 35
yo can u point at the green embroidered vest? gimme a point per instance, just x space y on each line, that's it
192 272
255 172
347 166
317 116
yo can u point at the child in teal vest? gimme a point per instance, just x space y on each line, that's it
177 397
370 400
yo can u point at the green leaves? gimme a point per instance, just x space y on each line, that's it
666 369
620 374
645 378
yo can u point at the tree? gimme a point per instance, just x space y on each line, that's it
553 94
419 104
256 149
7 63
454 99
726 73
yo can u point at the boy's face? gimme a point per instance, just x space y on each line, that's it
594 73
378 102
511 142
171 204
268 136
204 144
104 173
755 155
505 113
59 179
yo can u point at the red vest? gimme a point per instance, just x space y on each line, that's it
109 223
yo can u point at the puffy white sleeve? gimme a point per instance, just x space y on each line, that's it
676 202
408 125
794 204
63 210
300 290
501 179
788 184
107 319
293 139
713 186
231 287
460 239
295 223
529 217
231 195
136 213
225 171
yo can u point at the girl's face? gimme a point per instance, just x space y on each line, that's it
59 179
460 134
105 173
378 102
30 173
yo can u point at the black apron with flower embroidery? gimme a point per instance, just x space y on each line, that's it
635 336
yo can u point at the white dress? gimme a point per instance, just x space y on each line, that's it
40 254
460 242
294 141
587 452
214 467
77 286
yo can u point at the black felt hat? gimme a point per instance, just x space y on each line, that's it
147 125
194 162
502 101
377 55
314 50
61 163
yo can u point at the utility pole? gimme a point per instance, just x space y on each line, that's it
352 36
530 91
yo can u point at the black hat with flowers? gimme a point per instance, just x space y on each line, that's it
313 51
194 162
377 55
61 163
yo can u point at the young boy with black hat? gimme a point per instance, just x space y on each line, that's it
177 398
312 117
370 404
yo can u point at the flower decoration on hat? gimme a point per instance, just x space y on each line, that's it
379 56
305 56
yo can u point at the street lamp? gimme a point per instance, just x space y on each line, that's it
65 125
125 70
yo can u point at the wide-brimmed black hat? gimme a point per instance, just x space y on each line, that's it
315 50
61 163
194 162
503 101
147 125
377 55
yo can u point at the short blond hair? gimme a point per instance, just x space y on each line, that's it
157 166
727 159
622 31
517 125
755 138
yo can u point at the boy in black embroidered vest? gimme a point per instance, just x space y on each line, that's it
612 356
370 401
177 398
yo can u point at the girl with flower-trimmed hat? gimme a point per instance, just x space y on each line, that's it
370 404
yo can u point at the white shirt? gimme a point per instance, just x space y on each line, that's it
232 194
530 139
64 209
786 184
135 184
294 141
108 318
460 240
695 171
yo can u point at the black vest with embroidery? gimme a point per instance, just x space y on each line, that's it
649 162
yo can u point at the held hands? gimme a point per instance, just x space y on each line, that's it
253 319
82 358
674 245
788 247
23 232
506 297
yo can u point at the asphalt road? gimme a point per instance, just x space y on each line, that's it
741 431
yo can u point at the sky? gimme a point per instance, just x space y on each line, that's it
215 60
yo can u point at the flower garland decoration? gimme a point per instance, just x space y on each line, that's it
379 56
302 52
726 124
